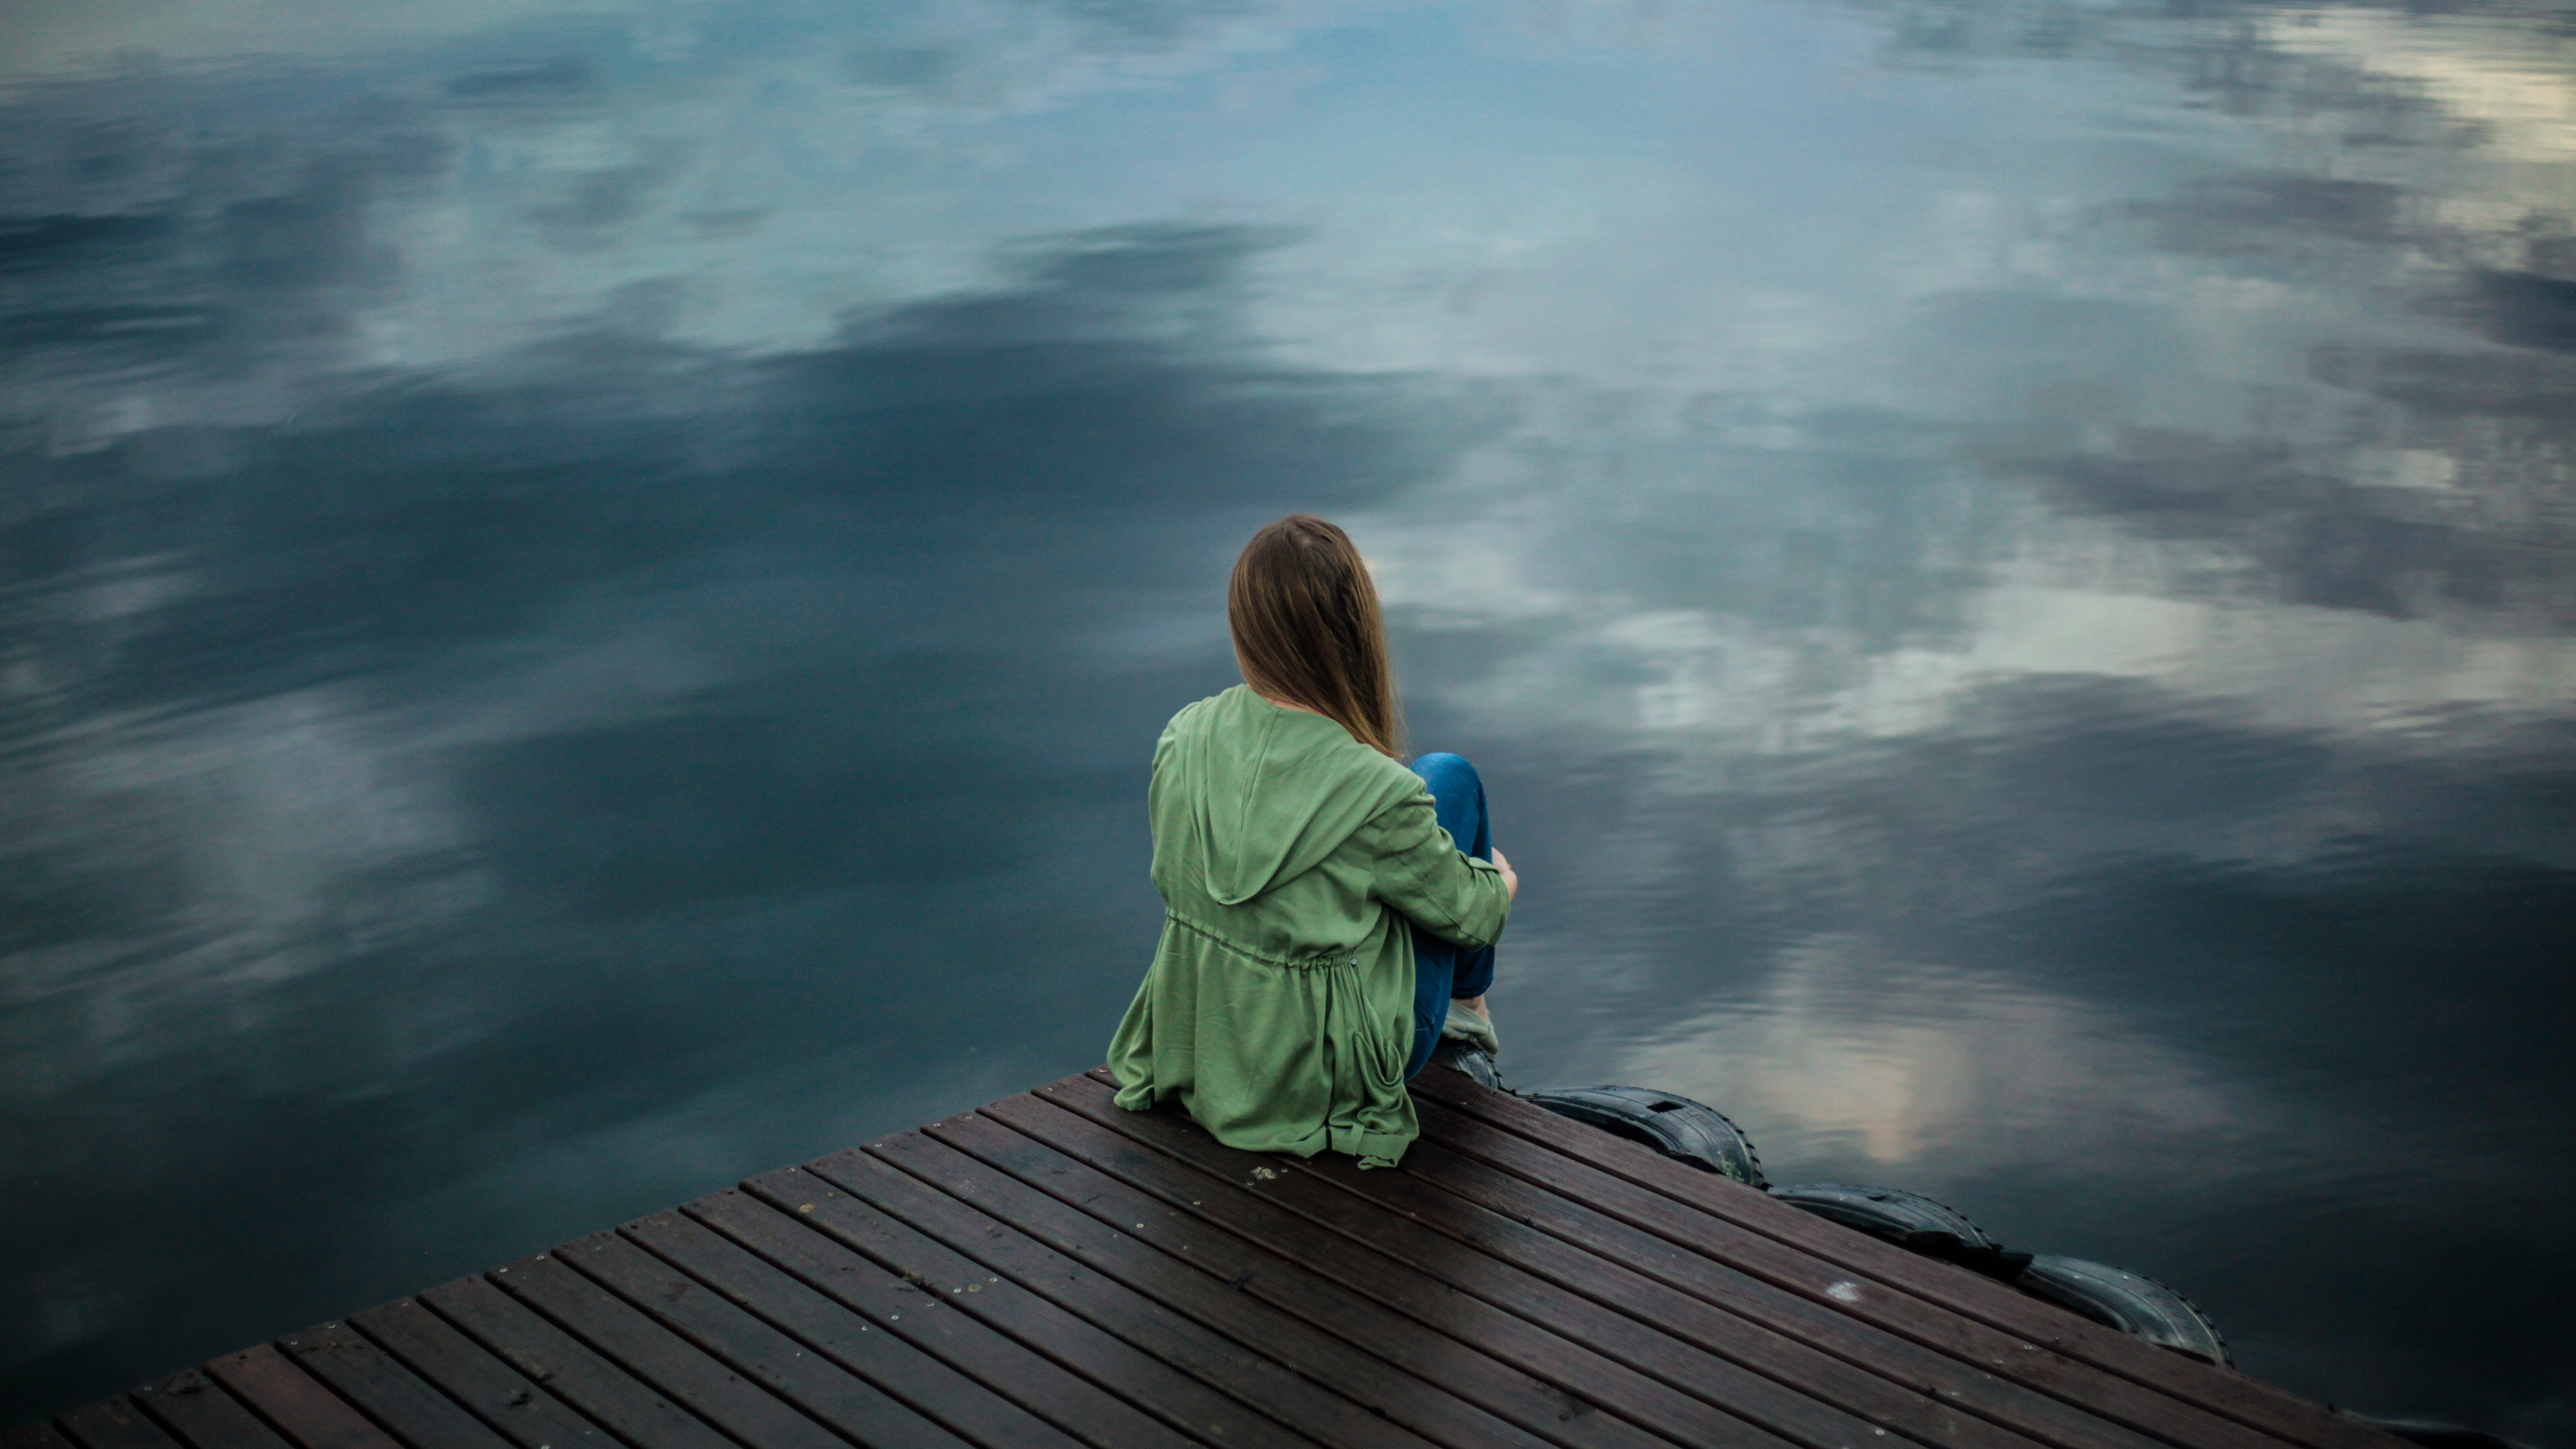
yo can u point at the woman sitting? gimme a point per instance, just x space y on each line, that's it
1329 912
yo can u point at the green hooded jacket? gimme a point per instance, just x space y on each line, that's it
1291 859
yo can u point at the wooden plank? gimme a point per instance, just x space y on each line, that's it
1669 1385
1129 1224
1603 1379
109 1424
1897 1402
1416 1305
1746 1340
41 1436
603 1392
502 1397
1341 1338
845 1401
1055 1273
1172 1312
623 1335
2016 1381
1570 1218
997 1231
818 1233
987 1410
295 1402
197 1411
1075 1211
2035 1363
2255 1404
1423 1380
365 1376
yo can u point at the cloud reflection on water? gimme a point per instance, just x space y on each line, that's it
2009 564
475 780
1930 1075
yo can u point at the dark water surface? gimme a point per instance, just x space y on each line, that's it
585 590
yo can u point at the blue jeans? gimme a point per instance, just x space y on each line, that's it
1443 970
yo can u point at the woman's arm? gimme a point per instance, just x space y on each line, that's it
1423 873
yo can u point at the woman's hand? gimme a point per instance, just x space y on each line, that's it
1511 878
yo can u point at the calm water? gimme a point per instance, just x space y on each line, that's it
586 588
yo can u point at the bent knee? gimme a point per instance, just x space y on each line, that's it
1444 772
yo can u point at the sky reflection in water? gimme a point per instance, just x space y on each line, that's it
587 589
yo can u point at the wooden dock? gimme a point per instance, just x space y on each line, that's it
1051 1271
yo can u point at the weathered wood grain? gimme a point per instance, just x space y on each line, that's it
1054 1272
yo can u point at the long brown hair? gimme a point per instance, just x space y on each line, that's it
1307 629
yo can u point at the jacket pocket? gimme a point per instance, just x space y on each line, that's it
1387 1053
1360 1036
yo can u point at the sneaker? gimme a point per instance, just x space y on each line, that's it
1477 1064
1466 1024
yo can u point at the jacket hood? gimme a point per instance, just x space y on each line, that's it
1267 792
